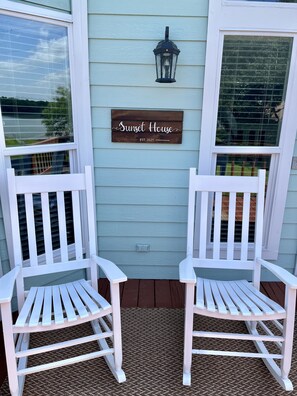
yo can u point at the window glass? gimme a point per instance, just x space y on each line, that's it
35 90
252 90
41 163
240 165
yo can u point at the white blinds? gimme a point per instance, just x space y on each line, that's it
252 90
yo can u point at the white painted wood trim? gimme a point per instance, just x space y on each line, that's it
80 84
242 3
42 148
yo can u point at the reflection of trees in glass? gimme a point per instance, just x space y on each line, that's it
252 91
57 115
25 107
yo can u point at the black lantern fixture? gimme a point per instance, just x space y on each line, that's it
166 54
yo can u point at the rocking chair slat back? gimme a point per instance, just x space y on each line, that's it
230 220
49 228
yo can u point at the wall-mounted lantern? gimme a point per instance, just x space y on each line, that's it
166 54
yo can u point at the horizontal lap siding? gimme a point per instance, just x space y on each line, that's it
288 245
142 189
57 5
4 259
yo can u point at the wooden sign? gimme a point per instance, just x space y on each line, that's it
146 126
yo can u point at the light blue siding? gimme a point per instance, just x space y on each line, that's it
5 266
287 257
108 51
141 189
132 7
58 5
143 27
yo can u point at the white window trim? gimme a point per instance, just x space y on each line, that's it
80 92
252 18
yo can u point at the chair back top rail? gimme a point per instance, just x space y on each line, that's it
47 183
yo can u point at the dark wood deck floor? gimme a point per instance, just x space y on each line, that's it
152 294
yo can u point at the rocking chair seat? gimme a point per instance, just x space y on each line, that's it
61 305
237 300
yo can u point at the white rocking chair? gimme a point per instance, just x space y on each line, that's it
60 306
234 200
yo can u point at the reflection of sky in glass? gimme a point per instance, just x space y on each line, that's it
33 58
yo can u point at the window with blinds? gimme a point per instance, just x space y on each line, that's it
254 76
35 93
35 99
252 90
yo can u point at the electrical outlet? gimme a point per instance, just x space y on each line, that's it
142 247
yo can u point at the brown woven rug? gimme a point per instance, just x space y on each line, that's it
153 353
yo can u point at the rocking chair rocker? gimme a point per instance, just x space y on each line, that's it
62 305
234 202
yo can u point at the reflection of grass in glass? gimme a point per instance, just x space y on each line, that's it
13 142
237 165
235 169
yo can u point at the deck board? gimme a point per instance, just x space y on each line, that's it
130 293
274 290
177 291
163 294
146 293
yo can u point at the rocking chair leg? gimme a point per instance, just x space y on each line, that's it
288 332
10 349
270 363
117 334
188 340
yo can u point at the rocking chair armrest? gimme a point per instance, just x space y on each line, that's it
282 274
7 283
186 271
111 271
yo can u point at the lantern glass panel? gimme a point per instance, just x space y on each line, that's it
173 65
158 65
166 65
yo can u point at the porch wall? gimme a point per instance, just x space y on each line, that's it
288 244
4 260
141 189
